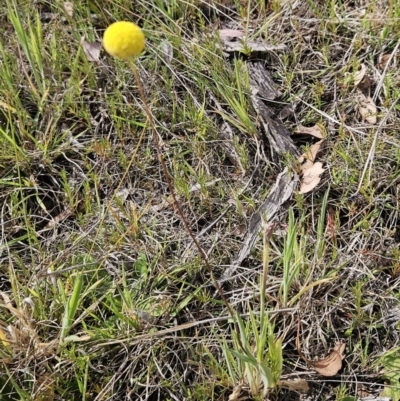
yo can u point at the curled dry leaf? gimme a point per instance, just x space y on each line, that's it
311 177
359 75
311 153
367 108
311 171
330 365
316 130
383 60
92 50
299 385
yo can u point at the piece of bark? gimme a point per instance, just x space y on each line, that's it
277 134
263 88
251 46
261 79
279 194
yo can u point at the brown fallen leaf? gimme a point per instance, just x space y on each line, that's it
298 385
383 60
330 365
311 177
310 171
311 152
316 130
367 108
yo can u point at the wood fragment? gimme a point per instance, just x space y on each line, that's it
279 194
252 46
263 88
261 79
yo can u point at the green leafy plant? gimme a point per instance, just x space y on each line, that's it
254 357
390 365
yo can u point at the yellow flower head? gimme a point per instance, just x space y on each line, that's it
123 39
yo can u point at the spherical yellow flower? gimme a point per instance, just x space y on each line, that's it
123 39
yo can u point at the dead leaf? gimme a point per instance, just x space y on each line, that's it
367 108
69 8
311 153
365 85
359 75
227 34
316 130
383 60
92 50
313 150
311 171
299 385
330 365
311 177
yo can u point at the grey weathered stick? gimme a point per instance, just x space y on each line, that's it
280 193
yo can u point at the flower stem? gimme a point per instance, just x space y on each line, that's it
171 188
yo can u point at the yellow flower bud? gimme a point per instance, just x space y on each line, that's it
123 39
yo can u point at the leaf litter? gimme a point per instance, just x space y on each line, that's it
91 50
316 130
311 171
359 75
367 108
